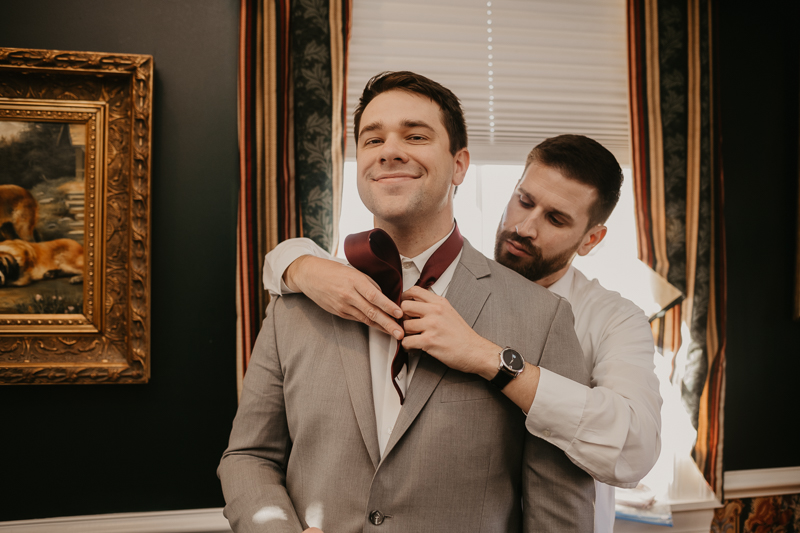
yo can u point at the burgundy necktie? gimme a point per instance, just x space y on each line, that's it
374 253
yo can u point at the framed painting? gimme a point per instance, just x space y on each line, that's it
75 138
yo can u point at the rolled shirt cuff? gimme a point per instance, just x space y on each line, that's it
557 409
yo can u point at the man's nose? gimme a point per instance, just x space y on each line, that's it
392 150
529 227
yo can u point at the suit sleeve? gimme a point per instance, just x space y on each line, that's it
557 494
253 468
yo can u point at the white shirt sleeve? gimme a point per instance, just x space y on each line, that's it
611 430
279 258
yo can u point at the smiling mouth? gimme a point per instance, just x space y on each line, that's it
396 177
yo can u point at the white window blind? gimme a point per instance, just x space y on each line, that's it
524 70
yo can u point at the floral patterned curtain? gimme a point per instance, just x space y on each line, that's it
678 183
292 71
758 515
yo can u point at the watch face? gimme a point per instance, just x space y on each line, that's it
513 360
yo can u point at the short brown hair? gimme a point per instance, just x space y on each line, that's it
452 114
585 160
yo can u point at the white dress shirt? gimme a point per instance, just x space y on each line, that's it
611 430
382 346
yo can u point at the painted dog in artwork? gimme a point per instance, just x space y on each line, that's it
22 262
19 213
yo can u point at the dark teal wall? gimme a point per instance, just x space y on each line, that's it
74 450
759 67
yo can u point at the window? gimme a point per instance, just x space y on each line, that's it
525 70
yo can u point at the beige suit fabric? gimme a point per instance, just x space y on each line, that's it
304 445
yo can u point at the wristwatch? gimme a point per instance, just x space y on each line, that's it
511 365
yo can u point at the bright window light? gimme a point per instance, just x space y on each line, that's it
479 204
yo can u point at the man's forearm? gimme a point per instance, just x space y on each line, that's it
277 261
290 274
520 390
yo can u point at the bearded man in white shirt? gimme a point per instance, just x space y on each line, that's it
569 187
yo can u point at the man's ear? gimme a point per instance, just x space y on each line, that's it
461 165
592 238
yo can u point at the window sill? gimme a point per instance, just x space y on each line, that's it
691 501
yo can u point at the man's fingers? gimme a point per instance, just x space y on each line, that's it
413 342
357 316
385 322
415 309
376 318
414 326
419 294
372 294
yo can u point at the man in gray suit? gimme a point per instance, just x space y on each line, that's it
323 440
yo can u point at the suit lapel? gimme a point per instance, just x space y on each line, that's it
467 296
353 345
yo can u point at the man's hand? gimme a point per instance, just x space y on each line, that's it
344 291
435 327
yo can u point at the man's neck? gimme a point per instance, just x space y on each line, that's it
412 241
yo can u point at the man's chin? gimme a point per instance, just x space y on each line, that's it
391 210
524 266
514 262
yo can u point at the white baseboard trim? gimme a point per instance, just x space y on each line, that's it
185 521
762 482
687 518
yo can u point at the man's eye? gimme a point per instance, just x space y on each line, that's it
416 138
523 202
556 221
372 141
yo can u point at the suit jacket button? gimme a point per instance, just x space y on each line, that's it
376 517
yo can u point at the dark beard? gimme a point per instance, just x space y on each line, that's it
534 267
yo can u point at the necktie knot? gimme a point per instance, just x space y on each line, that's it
375 254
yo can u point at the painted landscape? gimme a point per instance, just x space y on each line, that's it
41 217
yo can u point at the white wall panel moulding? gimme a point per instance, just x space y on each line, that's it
184 521
761 482
688 520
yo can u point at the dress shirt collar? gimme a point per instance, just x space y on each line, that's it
419 262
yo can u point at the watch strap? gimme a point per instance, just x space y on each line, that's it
502 378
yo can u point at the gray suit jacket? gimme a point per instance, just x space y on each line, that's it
304 442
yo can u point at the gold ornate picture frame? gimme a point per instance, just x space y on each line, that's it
75 139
